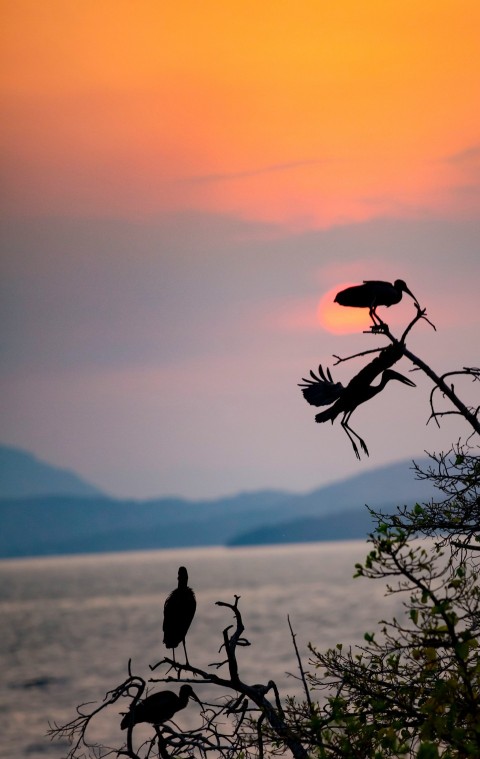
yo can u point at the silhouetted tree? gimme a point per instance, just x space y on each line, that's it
413 687
410 689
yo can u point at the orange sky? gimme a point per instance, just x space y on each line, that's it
304 114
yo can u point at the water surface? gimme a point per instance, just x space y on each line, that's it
70 624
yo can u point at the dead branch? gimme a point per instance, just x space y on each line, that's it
75 730
270 713
300 666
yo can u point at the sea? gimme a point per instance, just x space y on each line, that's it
69 626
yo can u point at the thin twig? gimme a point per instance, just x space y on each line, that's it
300 666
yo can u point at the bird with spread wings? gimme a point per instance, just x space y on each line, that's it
321 390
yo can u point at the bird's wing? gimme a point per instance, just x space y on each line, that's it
159 699
178 614
321 390
376 282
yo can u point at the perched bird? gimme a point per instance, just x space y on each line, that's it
178 613
322 391
374 293
159 707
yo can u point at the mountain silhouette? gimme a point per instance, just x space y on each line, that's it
22 475
66 524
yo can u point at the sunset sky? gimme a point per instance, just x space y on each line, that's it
185 186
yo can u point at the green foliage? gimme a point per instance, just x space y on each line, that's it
413 688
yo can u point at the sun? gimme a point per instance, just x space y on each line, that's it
340 320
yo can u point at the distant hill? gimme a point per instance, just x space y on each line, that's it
23 475
354 524
342 516
62 524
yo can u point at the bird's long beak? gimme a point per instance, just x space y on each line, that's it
401 378
413 297
195 697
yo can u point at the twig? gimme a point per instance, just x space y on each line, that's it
300 666
340 360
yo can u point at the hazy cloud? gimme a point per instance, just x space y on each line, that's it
469 155
234 175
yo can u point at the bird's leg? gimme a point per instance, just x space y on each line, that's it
354 446
360 440
351 432
352 441
185 649
378 324
381 327
363 444
174 660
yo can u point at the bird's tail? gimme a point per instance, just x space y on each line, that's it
126 721
328 415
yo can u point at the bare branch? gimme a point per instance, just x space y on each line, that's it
300 666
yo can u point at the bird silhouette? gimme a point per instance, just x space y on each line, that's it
159 707
374 293
322 391
178 613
